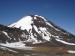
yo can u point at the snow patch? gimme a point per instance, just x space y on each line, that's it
12 51
6 34
36 29
52 26
45 34
65 42
55 36
71 51
16 45
41 17
13 45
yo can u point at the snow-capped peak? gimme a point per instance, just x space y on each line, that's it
24 23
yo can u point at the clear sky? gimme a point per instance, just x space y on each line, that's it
61 12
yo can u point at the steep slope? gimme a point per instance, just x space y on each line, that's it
34 30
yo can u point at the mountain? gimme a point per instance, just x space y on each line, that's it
33 32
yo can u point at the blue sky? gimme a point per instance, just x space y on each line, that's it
61 12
